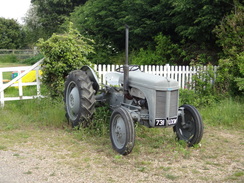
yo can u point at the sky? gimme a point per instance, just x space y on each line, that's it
15 9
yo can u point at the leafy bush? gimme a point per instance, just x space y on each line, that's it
100 123
188 97
63 53
201 90
203 81
230 33
240 80
146 57
191 97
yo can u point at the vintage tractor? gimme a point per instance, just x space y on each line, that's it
133 96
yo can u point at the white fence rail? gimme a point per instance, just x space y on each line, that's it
22 71
183 74
20 53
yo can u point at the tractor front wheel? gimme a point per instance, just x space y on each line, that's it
189 126
122 132
79 98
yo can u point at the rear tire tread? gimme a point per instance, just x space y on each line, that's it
87 98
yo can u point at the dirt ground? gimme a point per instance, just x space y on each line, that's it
53 156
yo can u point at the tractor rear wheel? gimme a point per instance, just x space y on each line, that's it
192 130
122 132
79 98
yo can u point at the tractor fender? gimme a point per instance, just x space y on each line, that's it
92 76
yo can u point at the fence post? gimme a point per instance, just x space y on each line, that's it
104 71
35 51
38 82
20 85
167 70
157 70
2 92
99 69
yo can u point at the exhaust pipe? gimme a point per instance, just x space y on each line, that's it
126 66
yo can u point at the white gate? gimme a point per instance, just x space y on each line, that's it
22 71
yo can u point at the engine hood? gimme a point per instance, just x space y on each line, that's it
151 81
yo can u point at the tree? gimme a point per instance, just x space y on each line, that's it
104 20
52 13
11 34
193 21
189 23
33 28
164 52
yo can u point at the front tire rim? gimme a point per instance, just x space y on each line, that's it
188 130
119 131
73 100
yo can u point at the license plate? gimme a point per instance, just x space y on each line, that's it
162 122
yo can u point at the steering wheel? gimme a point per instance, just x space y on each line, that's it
131 68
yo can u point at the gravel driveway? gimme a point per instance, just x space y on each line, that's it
53 156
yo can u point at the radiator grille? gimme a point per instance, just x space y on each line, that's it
163 101
173 111
160 104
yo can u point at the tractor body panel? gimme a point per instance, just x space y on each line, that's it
154 82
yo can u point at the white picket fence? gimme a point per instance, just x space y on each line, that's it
183 74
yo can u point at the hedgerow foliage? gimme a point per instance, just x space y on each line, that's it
231 38
63 53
